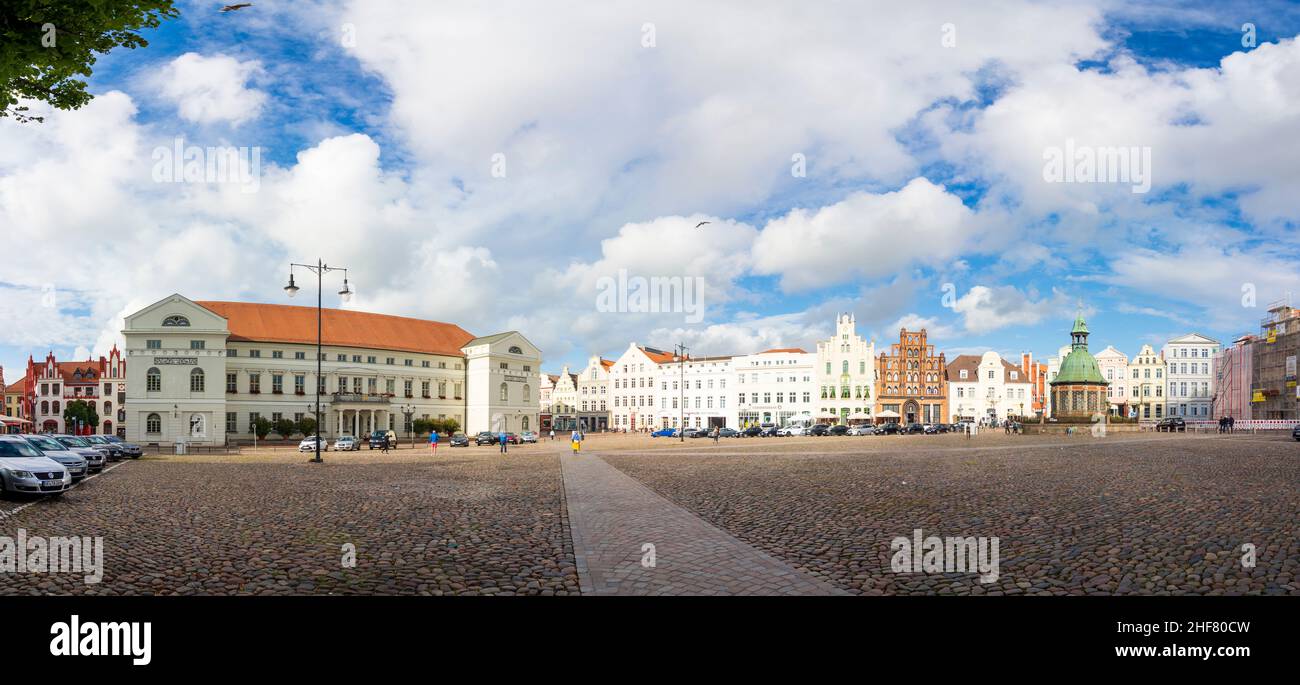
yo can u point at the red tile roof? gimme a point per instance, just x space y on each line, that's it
785 349
658 356
255 322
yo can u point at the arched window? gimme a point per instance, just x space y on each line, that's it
844 366
525 423
516 350
176 320
196 380
505 393
55 407
108 409
527 392
153 380
153 424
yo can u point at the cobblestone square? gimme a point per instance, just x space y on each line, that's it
1126 514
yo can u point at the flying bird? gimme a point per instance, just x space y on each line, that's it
702 223
240 6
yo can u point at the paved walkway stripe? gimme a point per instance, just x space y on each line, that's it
612 516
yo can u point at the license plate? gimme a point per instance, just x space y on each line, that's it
51 483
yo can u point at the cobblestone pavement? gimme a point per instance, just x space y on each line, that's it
468 523
1129 514
630 541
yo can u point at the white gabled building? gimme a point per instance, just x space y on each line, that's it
1189 372
634 382
593 395
1113 365
988 387
775 386
846 375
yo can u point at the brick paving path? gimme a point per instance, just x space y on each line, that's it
612 515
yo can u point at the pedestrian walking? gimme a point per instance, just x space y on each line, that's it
715 435
433 443
502 438
575 440
552 435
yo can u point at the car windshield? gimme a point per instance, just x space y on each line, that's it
74 442
45 443
15 449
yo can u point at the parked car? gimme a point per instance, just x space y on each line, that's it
308 444
346 443
115 453
791 431
485 438
74 463
378 440
930 428
129 449
891 428
751 432
1295 432
862 429
696 432
96 457
511 438
664 433
768 432
459 440
24 468
1171 424
728 433
913 428
838 429
820 429
527 436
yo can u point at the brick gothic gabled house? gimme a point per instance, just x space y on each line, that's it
910 381
1079 389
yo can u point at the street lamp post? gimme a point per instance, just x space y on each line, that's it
320 269
408 411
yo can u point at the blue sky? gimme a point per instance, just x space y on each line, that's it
378 124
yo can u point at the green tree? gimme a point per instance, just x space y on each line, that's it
45 45
307 425
421 426
79 411
285 427
262 427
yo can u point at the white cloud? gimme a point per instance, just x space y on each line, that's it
866 236
984 309
211 89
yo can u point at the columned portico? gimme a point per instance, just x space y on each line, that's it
359 417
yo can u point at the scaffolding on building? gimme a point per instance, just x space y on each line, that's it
1274 393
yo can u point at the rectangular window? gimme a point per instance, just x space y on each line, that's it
231 420
406 387
232 382
277 384
425 364
300 385
370 360
255 383
153 344
390 361
410 362
196 344
299 355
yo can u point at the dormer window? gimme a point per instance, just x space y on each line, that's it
176 320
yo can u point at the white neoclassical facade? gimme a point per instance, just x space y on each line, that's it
775 386
564 401
702 386
205 372
1189 371
988 387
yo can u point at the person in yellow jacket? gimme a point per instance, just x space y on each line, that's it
576 440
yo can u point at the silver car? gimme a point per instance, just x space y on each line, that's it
95 455
346 443
73 462
23 468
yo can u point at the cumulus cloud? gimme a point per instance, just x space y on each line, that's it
984 309
865 236
211 89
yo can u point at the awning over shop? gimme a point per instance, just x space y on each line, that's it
887 414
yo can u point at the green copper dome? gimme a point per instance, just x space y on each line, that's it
1079 367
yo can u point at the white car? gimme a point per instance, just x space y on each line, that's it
309 445
346 443
24 468
862 429
792 431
